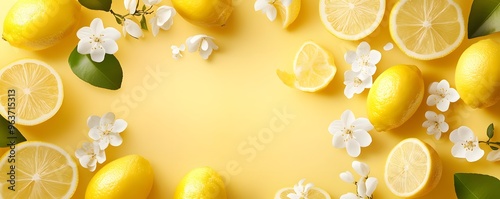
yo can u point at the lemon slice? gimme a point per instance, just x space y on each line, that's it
413 169
288 13
351 19
34 87
427 29
314 193
41 170
313 69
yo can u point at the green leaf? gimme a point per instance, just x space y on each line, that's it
118 20
144 23
104 5
107 74
483 18
493 148
9 135
490 131
475 186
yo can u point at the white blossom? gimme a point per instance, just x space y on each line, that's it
441 95
435 124
130 5
347 177
177 51
202 43
365 186
106 130
89 155
132 28
268 7
97 40
363 60
351 133
301 191
355 83
466 144
164 18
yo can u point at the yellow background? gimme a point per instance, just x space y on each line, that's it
189 113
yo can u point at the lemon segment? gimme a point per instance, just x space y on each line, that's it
313 69
395 96
42 170
314 193
427 29
127 177
39 24
203 183
36 89
210 13
351 19
288 14
413 169
477 75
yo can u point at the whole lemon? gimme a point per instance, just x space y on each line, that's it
477 76
395 96
39 24
127 177
203 183
204 12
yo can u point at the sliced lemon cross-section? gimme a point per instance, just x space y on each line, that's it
30 91
313 69
413 169
39 170
351 19
427 29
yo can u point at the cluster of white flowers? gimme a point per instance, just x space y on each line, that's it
104 131
202 43
351 133
268 7
440 95
300 190
365 186
363 63
164 18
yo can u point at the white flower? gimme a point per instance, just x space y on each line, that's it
203 43
466 144
89 155
97 40
371 185
130 5
267 7
132 28
441 95
164 18
177 51
151 2
347 177
351 133
361 168
106 130
355 83
435 124
493 155
363 60
301 191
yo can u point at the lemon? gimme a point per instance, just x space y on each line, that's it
314 193
199 183
413 169
351 19
477 76
395 96
204 12
313 69
33 92
37 170
427 29
127 177
39 24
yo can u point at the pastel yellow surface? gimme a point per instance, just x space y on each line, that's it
233 113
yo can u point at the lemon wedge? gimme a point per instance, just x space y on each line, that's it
427 29
41 170
289 13
34 87
351 19
313 69
413 169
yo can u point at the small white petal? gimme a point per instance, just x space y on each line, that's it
362 137
204 45
347 177
375 57
110 46
97 55
95 133
443 105
433 100
371 185
350 57
97 26
131 6
84 160
458 151
271 12
260 4
206 53
452 95
437 135
388 46
115 139
444 127
84 33
111 33
93 121
353 148
132 28
349 91
493 155
349 196
119 126
431 115
474 155
347 117
361 168
465 133
433 89
164 14
101 156
103 142
363 48
361 187
443 85
336 126
454 137
338 141
286 3
107 119
362 123
84 46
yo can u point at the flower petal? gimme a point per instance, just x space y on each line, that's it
271 12
349 196
465 133
371 185
362 123
111 33
452 95
97 55
107 119
444 127
443 105
84 160
458 150
443 85
110 46
84 33
338 141
93 121
206 53
119 126
363 48
350 57
101 156
433 100
375 57
154 26
132 28
347 117
349 91
455 137
164 14
260 4
437 135
353 148
361 187
347 177
433 89
97 26
115 139
103 142
84 46
364 139
431 115
493 155
95 134
474 155
336 127
361 168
